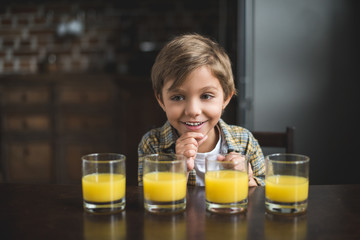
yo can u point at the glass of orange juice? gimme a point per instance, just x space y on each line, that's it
103 182
226 183
164 183
286 183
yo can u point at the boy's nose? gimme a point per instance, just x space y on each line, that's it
193 108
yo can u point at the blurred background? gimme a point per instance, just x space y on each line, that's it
75 78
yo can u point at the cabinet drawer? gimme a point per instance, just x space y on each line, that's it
31 122
29 162
85 123
84 95
38 95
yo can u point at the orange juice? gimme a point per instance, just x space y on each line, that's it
164 186
286 188
226 186
103 187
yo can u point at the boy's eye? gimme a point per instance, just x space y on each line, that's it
177 98
206 96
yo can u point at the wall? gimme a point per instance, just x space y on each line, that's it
96 36
305 70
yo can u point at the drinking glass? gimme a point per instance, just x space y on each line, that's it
226 183
286 183
103 182
164 183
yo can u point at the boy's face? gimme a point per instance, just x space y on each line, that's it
196 105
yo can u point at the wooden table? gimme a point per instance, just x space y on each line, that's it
55 212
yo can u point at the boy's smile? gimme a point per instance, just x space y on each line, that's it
194 125
196 105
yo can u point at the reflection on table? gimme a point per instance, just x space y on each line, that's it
229 227
285 228
104 227
35 211
170 227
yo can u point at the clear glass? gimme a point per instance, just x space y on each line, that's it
164 183
286 183
226 183
103 182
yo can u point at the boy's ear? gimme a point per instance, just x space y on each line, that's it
158 98
226 101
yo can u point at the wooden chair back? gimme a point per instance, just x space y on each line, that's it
277 139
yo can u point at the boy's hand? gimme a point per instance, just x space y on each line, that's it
236 159
252 182
188 144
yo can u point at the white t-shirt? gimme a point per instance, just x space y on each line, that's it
200 163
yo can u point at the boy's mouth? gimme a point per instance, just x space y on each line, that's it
193 124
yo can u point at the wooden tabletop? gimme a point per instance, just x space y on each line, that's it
30 211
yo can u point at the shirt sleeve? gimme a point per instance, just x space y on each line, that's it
257 162
146 146
192 178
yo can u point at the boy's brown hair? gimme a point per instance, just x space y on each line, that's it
184 54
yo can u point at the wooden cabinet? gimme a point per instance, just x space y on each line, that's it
48 122
25 94
29 161
20 122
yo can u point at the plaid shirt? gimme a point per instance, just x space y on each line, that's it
237 139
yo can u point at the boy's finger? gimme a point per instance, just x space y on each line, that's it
235 158
190 153
190 164
202 140
195 135
186 144
250 170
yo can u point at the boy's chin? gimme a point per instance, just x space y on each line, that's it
203 131
183 131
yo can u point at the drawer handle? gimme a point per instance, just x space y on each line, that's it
26 152
84 97
25 125
24 97
85 124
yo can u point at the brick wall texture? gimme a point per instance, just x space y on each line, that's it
96 36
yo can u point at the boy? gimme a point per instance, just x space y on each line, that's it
193 83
